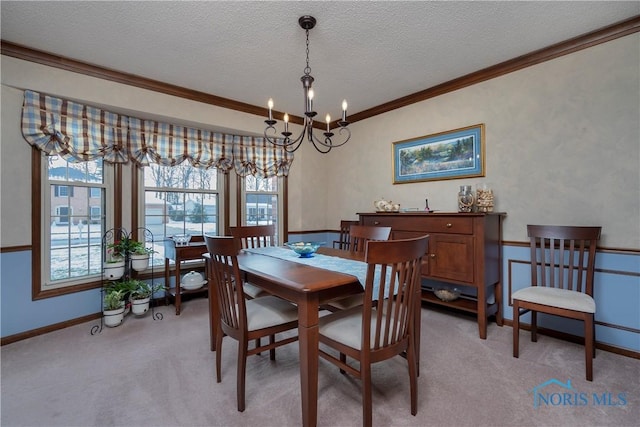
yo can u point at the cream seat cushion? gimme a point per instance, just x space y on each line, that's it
346 302
346 326
554 297
269 311
253 291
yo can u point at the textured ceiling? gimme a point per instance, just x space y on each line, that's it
367 52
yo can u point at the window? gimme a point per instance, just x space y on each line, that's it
62 190
96 214
261 206
180 199
75 196
63 215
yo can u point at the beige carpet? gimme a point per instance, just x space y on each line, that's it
161 373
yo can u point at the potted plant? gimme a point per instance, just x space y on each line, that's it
113 267
113 307
139 255
141 297
135 250
126 287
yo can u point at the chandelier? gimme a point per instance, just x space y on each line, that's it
323 143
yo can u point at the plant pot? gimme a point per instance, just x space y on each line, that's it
113 270
113 318
140 306
139 262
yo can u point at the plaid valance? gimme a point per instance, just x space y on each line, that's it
79 133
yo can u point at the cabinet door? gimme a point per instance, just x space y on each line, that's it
451 257
412 235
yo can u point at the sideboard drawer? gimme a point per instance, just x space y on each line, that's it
428 224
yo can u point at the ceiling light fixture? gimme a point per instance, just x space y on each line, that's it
323 144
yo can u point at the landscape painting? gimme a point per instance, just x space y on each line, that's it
453 154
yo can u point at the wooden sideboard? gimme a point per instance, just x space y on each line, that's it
464 249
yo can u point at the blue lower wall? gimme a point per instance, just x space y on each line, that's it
617 295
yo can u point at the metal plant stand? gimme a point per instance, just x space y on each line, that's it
109 238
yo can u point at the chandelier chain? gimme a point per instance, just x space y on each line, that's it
307 69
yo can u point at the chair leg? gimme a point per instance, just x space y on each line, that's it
242 371
219 336
367 406
534 326
343 359
516 328
413 378
589 346
417 331
257 342
272 352
594 337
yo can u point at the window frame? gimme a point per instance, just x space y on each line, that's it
282 231
40 200
139 199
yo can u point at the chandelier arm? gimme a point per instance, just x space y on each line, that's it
319 146
328 142
287 144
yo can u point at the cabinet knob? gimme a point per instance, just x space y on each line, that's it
376 222
449 225
432 255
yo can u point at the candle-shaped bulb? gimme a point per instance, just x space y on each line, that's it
328 118
270 105
309 105
286 122
344 110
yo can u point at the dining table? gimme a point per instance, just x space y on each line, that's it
308 283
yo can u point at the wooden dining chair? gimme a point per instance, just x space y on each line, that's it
240 318
382 327
359 235
343 240
254 236
562 270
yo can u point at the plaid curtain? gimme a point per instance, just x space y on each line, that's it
254 156
73 131
169 145
80 133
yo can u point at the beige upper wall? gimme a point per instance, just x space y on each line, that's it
562 145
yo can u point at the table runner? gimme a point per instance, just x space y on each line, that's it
332 263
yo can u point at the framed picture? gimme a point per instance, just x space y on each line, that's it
453 154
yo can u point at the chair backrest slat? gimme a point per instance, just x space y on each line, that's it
395 266
255 236
227 282
563 256
359 235
345 227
